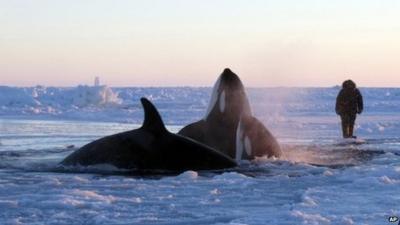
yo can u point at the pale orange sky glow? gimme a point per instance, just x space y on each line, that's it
189 43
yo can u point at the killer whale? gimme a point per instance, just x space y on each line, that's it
151 147
229 125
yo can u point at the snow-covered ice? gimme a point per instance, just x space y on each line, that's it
321 179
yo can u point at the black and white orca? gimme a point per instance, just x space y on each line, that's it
229 125
151 147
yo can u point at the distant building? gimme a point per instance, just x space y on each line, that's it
96 81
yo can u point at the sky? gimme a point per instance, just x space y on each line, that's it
189 43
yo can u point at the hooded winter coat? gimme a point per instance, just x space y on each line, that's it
349 100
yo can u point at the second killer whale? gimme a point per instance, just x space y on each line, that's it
229 125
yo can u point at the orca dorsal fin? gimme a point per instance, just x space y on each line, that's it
152 119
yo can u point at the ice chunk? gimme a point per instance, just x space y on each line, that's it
98 95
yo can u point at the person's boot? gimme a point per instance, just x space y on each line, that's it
345 131
351 129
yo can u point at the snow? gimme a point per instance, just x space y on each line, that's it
49 102
84 96
320 180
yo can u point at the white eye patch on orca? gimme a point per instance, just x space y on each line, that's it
214 98
222 102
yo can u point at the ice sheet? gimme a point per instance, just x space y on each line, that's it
321 179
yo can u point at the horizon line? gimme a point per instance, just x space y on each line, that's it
187 86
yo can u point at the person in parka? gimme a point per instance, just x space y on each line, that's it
349 102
